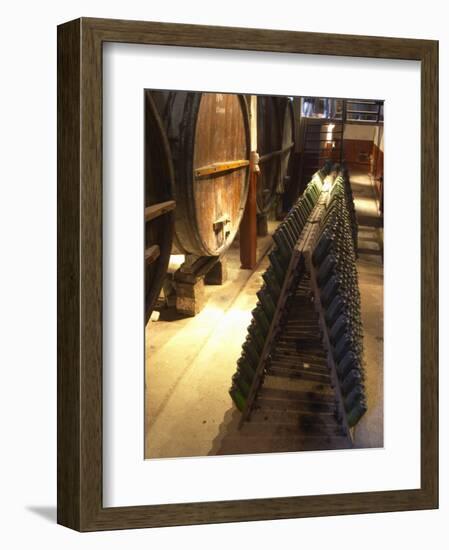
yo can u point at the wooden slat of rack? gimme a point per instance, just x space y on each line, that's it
258 377
326 339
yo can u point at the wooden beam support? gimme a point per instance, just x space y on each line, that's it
218 274
219 167
269 156
156 210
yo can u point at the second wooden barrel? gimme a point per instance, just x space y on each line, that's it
288 134
210 145
275 134
159 205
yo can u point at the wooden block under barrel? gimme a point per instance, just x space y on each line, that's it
218 274
190 278
190 297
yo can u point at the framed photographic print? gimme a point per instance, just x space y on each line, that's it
247 274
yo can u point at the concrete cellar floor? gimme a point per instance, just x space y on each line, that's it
190 361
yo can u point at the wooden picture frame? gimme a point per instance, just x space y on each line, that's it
80 274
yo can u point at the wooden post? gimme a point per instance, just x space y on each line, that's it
218 273
248 226
189 283
190 297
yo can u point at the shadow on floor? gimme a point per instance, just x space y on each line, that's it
228 427
271 434
370 242
170 314
370 221
46 512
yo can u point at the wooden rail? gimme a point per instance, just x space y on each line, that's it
219 167
269 156
328 346
156 210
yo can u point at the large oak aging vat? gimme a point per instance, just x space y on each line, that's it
210 145
275 134
159 205
289 162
